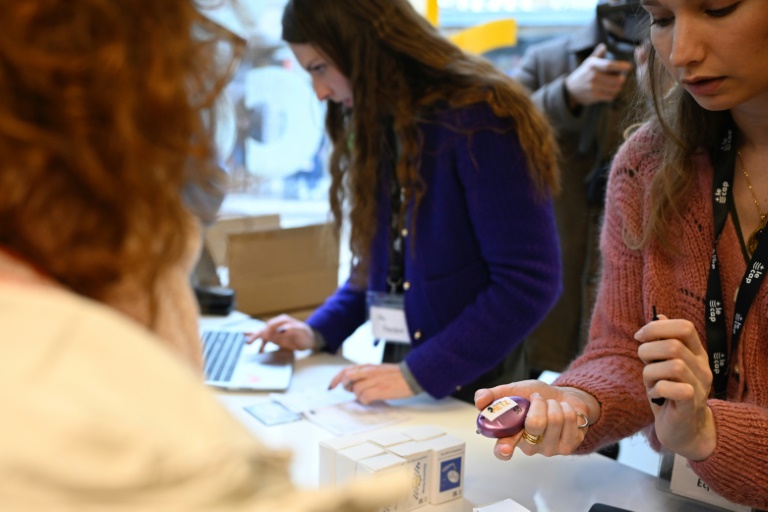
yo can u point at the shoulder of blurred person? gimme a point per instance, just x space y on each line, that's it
106 418
172 310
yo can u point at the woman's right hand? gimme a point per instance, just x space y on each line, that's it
286 332
556 413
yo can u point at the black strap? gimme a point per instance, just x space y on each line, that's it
724 162
396 270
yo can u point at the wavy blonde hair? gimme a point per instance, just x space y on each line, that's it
400 68
688 130
103 109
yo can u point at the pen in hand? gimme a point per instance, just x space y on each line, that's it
658 401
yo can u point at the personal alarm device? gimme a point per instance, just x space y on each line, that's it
504 417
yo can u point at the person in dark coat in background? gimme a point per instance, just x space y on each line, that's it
587 95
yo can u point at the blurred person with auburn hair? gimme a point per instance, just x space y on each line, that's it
100 133
103 133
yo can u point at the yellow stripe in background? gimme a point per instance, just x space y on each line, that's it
432 12
487 37
481 38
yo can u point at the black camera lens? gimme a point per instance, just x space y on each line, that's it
622 26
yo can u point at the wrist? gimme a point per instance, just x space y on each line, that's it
701 446
573 105
318 340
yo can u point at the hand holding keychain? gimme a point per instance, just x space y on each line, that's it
504 417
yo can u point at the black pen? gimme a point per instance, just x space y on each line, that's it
658 401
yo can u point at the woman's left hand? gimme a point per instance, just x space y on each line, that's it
372 382
677 369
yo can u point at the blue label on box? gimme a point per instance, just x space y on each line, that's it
450 474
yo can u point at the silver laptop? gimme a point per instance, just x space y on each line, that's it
232 364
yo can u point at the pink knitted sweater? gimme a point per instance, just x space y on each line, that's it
635 280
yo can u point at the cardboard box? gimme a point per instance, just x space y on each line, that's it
216 236
298 314
282 270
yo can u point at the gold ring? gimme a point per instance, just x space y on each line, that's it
586 420
532 439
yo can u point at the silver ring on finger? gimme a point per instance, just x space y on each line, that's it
584 417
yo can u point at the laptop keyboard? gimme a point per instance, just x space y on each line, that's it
221 352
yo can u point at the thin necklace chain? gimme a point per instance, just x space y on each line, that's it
749 185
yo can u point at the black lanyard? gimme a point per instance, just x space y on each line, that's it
396 269
723 163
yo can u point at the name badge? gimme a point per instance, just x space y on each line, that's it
387 315
685 482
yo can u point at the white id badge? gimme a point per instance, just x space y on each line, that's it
387 315
687 483
677 477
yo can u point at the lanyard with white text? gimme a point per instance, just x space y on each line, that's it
723 162
396 270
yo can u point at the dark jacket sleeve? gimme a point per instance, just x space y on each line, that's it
543 70
340 315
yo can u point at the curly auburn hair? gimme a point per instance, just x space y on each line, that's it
103 121
400 68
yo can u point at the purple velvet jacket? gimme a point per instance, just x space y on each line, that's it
484 265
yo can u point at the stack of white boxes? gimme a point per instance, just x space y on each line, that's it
434 459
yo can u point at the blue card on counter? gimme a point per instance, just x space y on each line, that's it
271 413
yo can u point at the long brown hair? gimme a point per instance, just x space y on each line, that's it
103 121
688 129
399 67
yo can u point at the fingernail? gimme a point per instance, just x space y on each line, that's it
479 393
503 452
639 334
536 394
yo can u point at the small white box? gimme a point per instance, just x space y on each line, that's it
328 450
387 438
416 457
423 432
378 464
347 459
506 505
446 461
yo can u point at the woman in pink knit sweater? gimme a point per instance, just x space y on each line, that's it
683 236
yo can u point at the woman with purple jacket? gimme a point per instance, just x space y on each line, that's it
445 171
